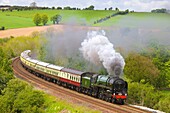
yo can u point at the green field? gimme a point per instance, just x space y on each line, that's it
20 19
144 20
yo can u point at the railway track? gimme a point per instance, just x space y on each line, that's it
56 90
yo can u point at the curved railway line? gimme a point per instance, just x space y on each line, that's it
56 90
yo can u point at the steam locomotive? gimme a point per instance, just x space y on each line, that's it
108 88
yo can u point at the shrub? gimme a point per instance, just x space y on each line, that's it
44 19
163 104
56 18
20 97
140 67
143 94
37 19
2 28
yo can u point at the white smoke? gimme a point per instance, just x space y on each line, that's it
97 49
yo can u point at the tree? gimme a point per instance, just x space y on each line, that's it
110 8
59 8
56 19
143 94
74 8
37 19
14 87
163 104
3 10
91 7
44 19
33 4
159 11
127 11
67 8
29 100
20 97
53 8
160 55
140 67
116 9
4 78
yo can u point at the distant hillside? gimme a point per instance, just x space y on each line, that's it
20 19
140 20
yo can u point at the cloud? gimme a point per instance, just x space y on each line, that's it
147 5
137 5
5 2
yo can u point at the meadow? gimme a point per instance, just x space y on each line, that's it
139 20
21 19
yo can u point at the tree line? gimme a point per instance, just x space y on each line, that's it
24 8
163 10
33 6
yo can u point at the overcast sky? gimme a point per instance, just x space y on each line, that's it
137 5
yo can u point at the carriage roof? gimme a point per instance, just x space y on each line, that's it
33 60
76 72
43 64
55 67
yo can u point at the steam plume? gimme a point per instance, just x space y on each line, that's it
97 49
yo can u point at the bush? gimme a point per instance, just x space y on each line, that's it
37 19
2 28
20 97
164 104
56 18
143 94
44 19
140 67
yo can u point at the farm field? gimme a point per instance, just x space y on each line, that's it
139 20
21 19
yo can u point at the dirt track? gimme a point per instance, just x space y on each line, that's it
28 31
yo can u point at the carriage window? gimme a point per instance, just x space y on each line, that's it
56 73
53 72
